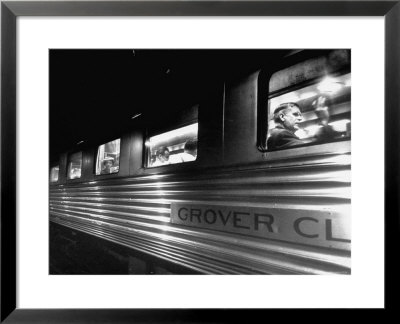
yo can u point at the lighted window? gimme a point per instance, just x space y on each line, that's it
176 146
54 171
74 165
107 161
310 102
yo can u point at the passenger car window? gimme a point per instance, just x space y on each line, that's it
176 146
54 171
107 161
74 165
310 102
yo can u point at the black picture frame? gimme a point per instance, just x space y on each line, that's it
10 10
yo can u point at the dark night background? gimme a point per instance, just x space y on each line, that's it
95 93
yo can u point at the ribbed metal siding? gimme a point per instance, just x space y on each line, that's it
135 212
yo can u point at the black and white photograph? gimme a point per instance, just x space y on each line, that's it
200 161
197 161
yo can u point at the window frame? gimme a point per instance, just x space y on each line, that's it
67 168
160 132
159 129
107 175
58 177
263 97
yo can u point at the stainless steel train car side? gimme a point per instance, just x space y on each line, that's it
235 210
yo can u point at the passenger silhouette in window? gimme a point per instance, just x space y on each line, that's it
75 173
189 151
108 163
287 117
162 156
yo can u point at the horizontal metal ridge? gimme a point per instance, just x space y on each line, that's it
209 235
277 190
209 259
163 204
135 212
252 177
224 247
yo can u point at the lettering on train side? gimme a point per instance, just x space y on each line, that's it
329 235
266 219
300 220
327 228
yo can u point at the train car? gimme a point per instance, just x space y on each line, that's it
204 184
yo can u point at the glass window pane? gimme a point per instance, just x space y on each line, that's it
176 146
107 161
314 111
74 165
54 173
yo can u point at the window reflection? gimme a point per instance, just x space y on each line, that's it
54 173
74 165
107 161
312 113
176 146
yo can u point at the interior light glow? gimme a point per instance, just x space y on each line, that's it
307 95
340 125
330 85
302 133
190 129
312 130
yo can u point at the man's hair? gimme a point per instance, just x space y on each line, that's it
281 107
162 150
190 146
108 159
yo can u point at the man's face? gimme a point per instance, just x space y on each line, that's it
108 164
164 157
291 117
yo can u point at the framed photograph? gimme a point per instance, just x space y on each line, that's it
208 149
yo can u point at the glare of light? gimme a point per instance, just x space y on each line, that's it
177 147
340 159
307 95
329 85
159 184
135 116
159 191
165 137
155 176
347 83
340 125
290 97
302 133
163 201
312 130
147 143
80 142
343 159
